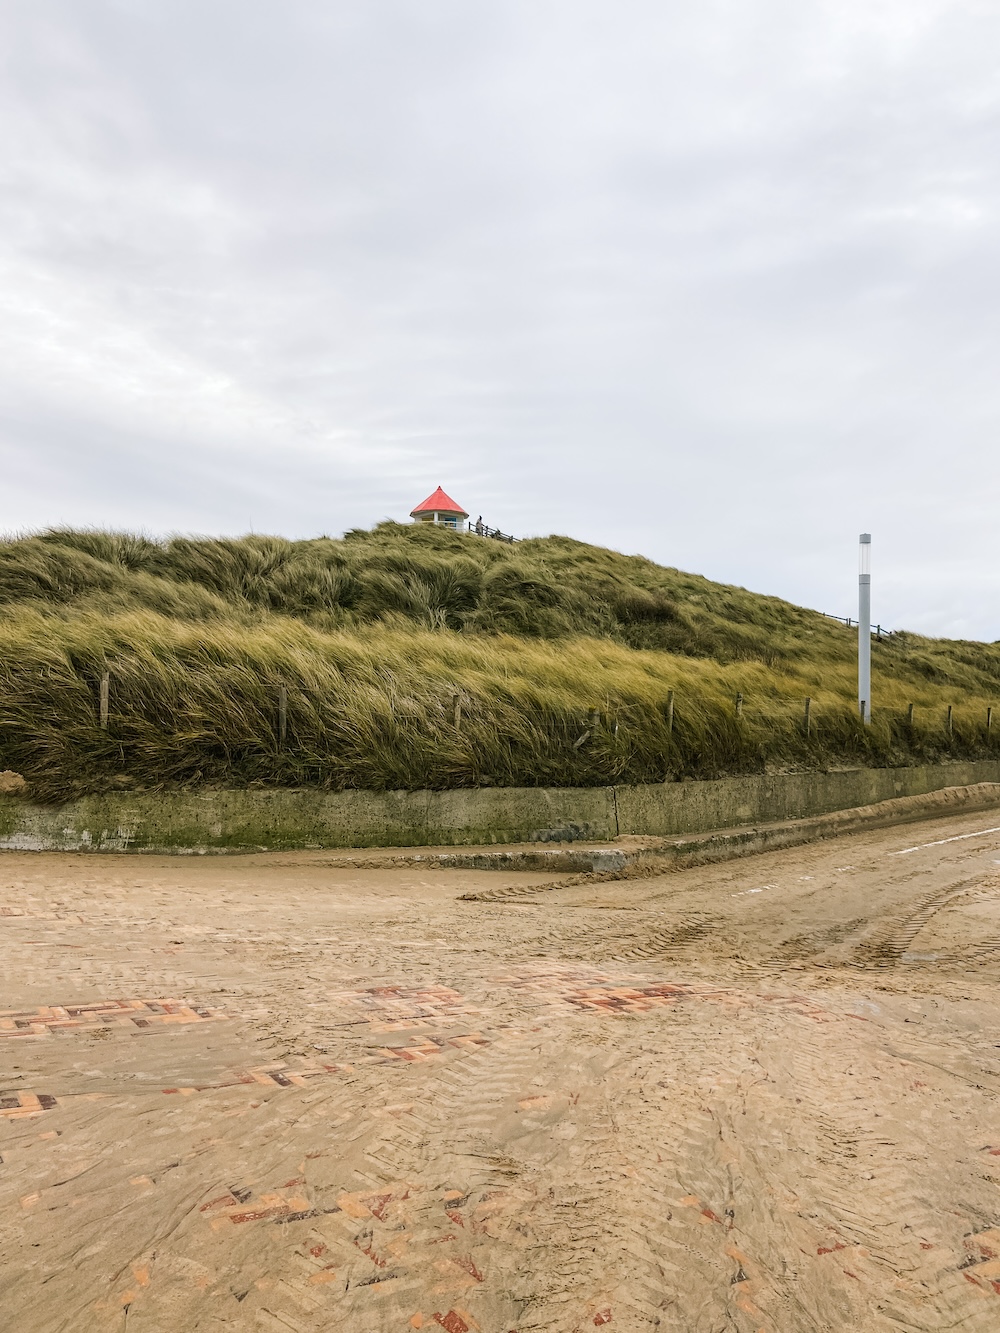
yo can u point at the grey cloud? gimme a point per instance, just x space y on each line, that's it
715 282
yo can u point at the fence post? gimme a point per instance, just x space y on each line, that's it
739 704
105 699
670 711
989 722
805 719
909 715
457 705
948 725
282 713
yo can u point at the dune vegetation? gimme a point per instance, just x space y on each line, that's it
409 656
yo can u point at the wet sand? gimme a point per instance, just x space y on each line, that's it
277 1093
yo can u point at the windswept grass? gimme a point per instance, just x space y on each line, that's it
414 657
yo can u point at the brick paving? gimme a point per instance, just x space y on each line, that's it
133 1016
21 1105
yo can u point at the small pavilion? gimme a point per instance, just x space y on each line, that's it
440 509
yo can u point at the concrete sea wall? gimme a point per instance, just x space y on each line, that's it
262 819
699 807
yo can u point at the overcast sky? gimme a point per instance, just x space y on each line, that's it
717 281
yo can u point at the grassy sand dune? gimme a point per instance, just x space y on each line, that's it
413 657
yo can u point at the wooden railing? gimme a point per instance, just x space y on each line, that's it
484 530
879 631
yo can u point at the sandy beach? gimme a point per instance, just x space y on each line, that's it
279 1092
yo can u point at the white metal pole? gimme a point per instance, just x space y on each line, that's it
865 627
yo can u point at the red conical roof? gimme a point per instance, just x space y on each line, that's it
439 502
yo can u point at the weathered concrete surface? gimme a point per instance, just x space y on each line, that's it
516 814
698 807
628 852
252 820
638 857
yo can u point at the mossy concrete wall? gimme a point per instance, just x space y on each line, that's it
243 820
250 820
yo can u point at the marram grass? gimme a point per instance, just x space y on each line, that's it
411 658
